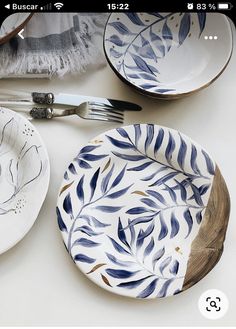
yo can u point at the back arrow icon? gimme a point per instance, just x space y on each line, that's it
20 34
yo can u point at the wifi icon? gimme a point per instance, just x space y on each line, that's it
58 5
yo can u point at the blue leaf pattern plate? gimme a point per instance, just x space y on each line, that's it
24 177
129 216
166 55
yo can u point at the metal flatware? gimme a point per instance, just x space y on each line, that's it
86 110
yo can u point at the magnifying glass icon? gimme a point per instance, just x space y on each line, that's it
213 304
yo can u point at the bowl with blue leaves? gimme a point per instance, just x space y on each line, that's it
168 55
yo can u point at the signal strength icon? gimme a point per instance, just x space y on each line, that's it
47 7
58 5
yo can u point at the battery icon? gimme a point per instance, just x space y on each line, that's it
224 6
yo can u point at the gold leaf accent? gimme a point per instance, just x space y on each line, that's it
178 250
140 193
107 165
96 267
65 187
105 280
96 141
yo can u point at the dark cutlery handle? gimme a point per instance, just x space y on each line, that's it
43 98
41 113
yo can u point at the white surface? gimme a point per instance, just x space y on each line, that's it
39 283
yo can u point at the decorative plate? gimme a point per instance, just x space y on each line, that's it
12 25
167 55
139 213
24 177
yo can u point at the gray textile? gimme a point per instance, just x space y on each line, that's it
55 43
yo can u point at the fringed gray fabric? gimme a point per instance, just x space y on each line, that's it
55 44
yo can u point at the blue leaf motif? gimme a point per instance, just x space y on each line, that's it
202 21
85 243
115 53
88 148
165 263
132 232
132 284
129 157
119 193
167 35
171 193
164 179
184 28
72 169
121 28
141 167
174 268
118 247
140 220
199 217
121 233
83 164
93 221
137 131
142 65
135 19
108 209
149 203
150 134
106 179
157 256
157 196
174 226
93 182
119 178
143 235
158 43
196 195
189 221
84 259
149 247
182 153
209 163
92 157
118 262
159 140
148 290
87 230
79 189
204 188
60 221
193 160
164 230
67 206
162 293
120 274
122 132
183 192
119 144
66 176
137 211
170 148
117 41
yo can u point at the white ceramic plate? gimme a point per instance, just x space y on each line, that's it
131 204
167 55
12 25
24 177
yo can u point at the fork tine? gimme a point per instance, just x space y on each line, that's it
105 113
107 110
105 116
99 118
104 107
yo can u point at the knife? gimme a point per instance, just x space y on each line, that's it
76 100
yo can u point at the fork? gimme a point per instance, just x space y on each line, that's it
86 110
